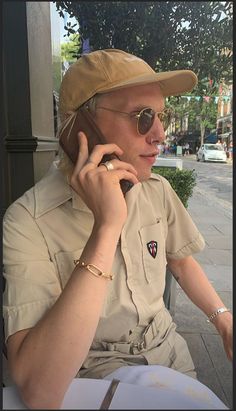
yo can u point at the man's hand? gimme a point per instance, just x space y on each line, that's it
224 325
99 188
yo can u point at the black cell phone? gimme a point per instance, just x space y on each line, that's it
69 139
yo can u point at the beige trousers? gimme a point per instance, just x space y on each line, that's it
156 344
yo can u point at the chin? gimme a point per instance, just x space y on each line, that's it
144 176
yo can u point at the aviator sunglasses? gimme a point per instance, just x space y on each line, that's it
145 117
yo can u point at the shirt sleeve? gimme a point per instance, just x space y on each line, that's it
32 284
183 238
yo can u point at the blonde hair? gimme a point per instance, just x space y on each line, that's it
65 164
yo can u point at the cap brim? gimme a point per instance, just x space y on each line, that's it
172 83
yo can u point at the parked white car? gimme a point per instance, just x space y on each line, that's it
211 152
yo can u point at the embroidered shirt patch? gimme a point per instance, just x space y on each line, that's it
152 248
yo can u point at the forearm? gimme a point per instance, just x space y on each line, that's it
195 284
59 343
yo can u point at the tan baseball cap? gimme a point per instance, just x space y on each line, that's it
106 70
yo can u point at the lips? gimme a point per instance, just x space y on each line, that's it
150 157
154 154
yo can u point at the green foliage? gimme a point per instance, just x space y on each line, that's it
69 49
182 181
201 114
169 35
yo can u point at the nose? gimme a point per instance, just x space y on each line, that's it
156 134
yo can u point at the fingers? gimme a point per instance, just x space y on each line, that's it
118 165
88 165
97 154
119 175
92 161
121 171
229 351
101 149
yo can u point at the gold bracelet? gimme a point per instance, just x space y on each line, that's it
217 312
93 269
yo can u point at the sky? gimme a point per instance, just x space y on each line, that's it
62 24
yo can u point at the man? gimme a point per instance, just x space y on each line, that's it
84 263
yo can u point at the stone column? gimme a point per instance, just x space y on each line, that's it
29 138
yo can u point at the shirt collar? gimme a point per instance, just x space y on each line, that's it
53 190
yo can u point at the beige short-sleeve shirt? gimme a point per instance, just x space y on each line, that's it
46 229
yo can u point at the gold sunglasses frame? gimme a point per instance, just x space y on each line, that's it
160 115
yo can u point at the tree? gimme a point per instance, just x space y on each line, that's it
200 110
168 35
206 111
69 49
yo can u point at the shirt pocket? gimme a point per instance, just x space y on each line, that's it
66 263
153 250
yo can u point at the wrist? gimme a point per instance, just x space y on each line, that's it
217 312
107 231
103 240
100 250
223 322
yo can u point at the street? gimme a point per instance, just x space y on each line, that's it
214 182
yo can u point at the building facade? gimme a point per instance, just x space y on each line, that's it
224 126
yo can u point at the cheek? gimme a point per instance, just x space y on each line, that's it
120 132
129 145
110 128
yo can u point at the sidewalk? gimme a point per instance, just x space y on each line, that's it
212 366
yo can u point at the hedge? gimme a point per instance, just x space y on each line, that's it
182 181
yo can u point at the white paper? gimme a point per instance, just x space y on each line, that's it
82 394
11 399
87 393
175 390
134 397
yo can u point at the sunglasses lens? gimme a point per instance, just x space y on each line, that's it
146 120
